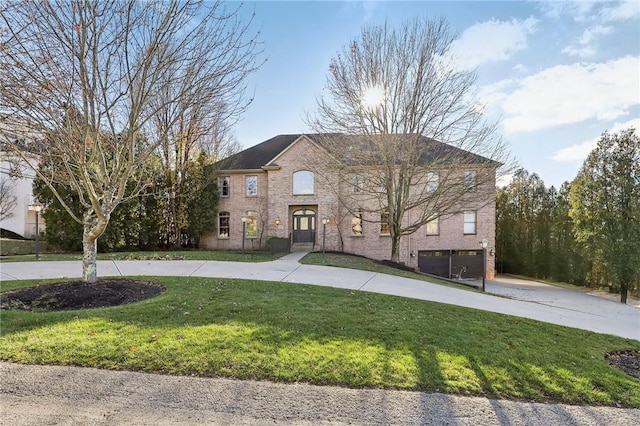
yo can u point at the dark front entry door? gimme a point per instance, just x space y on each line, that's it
304 226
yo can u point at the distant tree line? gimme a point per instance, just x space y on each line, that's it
585 233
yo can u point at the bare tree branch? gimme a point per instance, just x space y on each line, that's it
92 76
392 96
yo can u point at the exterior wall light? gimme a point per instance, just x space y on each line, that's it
37 208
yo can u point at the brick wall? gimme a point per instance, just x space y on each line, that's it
276 200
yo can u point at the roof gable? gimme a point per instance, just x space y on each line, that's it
258 155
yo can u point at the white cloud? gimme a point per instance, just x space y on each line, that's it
575 152
622 11
567 94
590 34
578 9
520 68
491 41
591 10
580 151
504 180
579 51
585 48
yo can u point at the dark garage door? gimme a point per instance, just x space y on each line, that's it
471 260
450 263
434 262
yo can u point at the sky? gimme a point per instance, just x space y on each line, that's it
557 74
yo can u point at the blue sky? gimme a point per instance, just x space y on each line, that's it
557 73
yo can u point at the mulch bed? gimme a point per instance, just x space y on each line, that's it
627 361
79 295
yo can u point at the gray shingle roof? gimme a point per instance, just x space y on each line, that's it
260 155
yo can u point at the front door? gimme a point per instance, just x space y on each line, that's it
304 226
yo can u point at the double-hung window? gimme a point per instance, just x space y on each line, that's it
251 183
356 223
432 182
384 222
433 226
224 183
251 225
470 180
470 222
357 183
224 219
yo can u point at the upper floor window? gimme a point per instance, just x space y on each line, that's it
356 223
303 183
433 226
432 181
470 180
224 183
384 222
251 185
383 182
470 219
357 183
251 224
223 224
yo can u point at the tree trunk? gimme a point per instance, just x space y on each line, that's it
89 256
395 248
624 288
93 228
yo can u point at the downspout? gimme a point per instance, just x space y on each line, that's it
410 237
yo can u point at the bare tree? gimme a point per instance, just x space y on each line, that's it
92 75
195 112
8 199
390 98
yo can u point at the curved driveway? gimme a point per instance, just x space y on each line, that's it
533 300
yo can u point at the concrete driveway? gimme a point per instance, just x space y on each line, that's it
602 309
528 299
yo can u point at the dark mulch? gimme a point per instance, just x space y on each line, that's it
627 361
79 295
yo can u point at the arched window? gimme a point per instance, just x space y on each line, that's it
303 183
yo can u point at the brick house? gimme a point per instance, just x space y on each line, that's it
283 188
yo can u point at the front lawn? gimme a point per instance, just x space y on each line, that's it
298 333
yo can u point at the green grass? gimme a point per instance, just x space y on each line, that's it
343 260
234 256
297 333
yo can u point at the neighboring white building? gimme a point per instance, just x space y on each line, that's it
20 176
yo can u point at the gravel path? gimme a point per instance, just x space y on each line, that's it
49 395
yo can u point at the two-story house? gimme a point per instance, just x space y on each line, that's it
285 187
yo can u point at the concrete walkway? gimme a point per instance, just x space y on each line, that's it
532 300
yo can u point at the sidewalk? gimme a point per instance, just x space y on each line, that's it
569 308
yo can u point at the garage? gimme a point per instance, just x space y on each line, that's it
451 263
